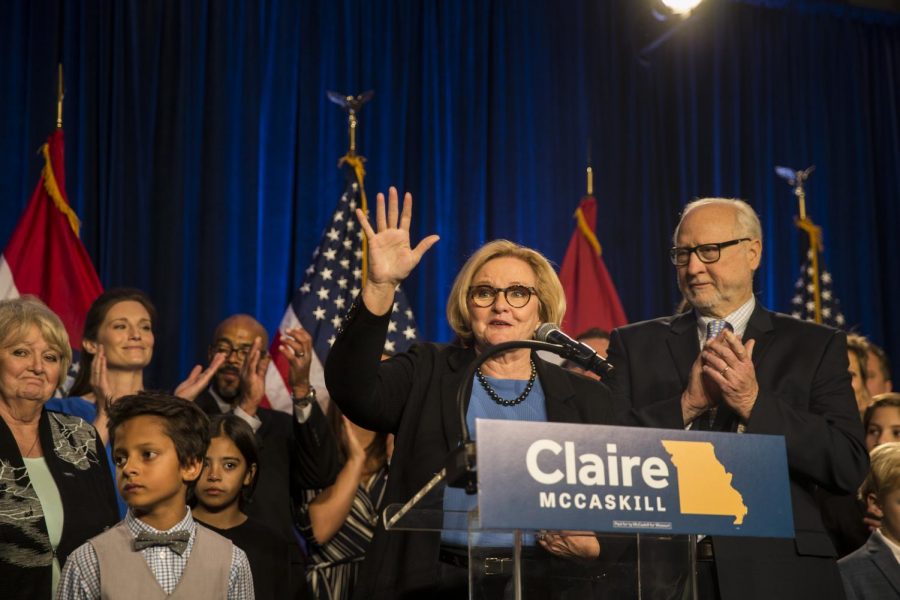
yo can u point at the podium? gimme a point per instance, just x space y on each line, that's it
629 566
645 496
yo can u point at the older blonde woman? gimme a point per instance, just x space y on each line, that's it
503 292
55 486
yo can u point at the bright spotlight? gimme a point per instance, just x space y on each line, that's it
681 7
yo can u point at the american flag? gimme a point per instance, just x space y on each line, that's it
803 304
333 280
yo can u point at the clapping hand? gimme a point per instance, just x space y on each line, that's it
355 450
296 347
253 378
100 386
103 394
701 393
198 379
729 363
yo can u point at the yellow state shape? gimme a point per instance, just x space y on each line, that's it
704 486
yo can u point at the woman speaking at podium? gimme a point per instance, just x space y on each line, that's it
503 292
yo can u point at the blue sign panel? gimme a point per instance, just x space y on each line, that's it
628 480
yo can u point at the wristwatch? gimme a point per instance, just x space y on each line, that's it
305 401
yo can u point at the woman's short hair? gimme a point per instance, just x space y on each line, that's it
92 322
550 294
18 315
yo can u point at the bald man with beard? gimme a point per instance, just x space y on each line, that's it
238 387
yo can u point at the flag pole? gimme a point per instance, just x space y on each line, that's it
796 179
590 168
351 105
60 94
579 214
581 222
814 233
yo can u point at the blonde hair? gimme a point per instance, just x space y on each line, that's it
884 471
550 295
18 315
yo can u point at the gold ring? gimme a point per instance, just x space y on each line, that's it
723 371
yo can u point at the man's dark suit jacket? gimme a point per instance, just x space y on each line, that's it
871 573
804 395
414 396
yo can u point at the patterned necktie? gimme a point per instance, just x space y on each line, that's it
717 326
176 541
713 329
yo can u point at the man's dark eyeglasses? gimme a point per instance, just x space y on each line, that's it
516 296
240 351
707 253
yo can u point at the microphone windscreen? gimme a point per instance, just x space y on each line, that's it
544 330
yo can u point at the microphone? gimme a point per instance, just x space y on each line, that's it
575 351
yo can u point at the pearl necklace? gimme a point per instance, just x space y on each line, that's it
502 401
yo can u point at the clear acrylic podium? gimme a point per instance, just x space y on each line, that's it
513 565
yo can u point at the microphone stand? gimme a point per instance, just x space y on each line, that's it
461 466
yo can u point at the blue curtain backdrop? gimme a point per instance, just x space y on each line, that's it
201 148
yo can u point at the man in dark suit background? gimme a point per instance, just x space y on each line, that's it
759 372
239 387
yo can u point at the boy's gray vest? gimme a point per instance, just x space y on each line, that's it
125 575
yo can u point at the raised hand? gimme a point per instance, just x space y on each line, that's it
355 449
391 256
198 379
296 347
253 378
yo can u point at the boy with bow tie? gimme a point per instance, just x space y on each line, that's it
159 443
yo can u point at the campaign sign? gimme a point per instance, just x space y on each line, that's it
631 480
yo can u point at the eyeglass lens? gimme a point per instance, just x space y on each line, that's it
516 296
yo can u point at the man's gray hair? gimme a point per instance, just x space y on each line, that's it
748 224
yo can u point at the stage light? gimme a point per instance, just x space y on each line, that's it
681 7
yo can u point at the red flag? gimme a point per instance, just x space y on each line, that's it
591 297
44 256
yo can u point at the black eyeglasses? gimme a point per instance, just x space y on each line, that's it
516 296
241 351
707 253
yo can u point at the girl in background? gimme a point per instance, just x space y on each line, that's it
226 484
